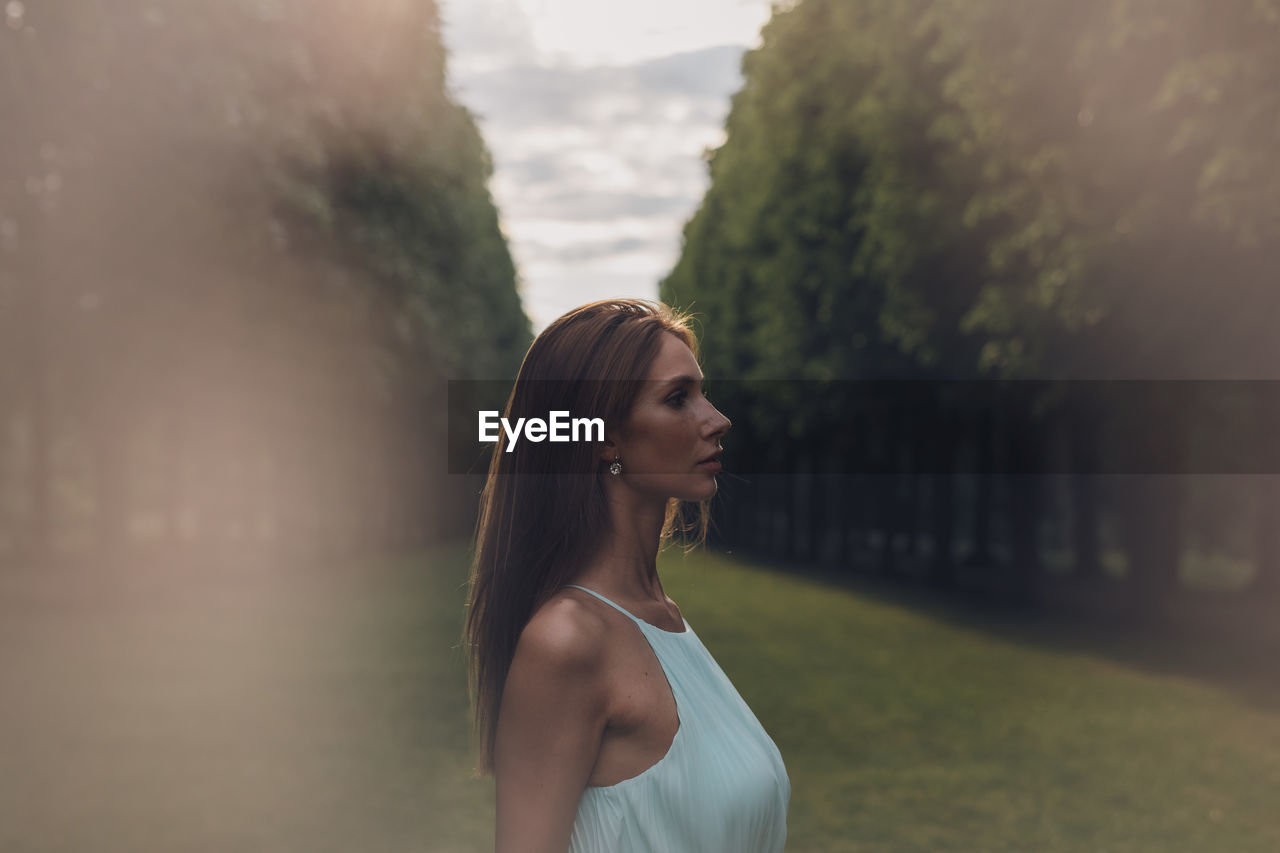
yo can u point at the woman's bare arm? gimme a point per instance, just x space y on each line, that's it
553 715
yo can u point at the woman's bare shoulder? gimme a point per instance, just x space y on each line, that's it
565 632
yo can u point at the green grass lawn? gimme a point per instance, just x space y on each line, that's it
906 731
324 709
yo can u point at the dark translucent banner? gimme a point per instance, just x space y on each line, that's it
873 427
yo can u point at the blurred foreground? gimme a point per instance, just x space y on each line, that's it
250 707
261 707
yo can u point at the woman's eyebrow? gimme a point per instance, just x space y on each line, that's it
682 380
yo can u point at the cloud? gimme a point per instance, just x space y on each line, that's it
590 251
494 34
713 72
575 206
598 168
608 142
528 94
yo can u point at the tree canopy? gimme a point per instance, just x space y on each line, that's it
266 224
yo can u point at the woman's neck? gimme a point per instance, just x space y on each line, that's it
626 561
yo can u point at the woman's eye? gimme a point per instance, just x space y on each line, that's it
676 400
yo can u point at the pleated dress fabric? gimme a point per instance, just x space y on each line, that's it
722 786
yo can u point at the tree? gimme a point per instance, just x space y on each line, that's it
262 231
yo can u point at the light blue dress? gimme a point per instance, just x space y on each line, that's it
721 787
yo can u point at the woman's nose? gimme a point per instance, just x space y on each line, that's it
720 424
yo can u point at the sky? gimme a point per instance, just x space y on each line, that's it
597 114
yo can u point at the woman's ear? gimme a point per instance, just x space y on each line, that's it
608 450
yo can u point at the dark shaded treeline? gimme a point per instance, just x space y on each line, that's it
242 245
948 190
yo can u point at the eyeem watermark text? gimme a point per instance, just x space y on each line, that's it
536 429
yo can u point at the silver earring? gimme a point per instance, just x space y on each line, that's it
615 467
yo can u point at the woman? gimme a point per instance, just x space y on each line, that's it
605 721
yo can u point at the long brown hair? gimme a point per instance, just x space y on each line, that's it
542 511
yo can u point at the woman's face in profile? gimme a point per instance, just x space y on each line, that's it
673 427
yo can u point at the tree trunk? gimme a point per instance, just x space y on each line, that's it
887 515
912 511
860 496
1083 447
1023 575
942 568
980 535
1086 545
774 503
37 542
808 501
1266 540
844 520
1152 522
820 506
1266 543
112 483
787 515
